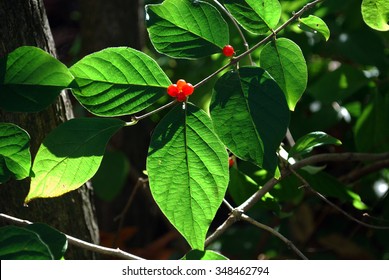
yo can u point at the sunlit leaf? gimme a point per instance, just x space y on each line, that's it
284 61
31 79
15 157
256 16
186 29
118 81
376 14
188 171
316 25
70 155
306 143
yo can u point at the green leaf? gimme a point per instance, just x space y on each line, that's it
54 239
70 155
371 131
311 140
204 255
186 29
18 243
188 171
31 79
284 61
111 175
375 13
15 157
316 25
256 16
118 81
250 115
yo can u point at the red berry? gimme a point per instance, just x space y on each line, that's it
172 90
181 97
228 50
230 162
187 89
180 84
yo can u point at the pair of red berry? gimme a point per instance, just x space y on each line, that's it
180 90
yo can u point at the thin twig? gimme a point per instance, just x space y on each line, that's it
122 215
81 243
289 243
289 138
228 205
355 175
136 119
340 157
322 197
233 20
269 185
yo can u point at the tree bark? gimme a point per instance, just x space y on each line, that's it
24 22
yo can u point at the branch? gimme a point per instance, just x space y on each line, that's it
322 197
222 228
289 243
141 182
359 173
81 243
340 157
309 161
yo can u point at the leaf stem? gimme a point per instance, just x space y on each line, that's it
135 119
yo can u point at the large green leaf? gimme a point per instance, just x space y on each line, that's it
316 25
372 130
306 143
188 171
376 14
204 255
15 157
18 243
31 79
186 29
54 239
70 155
118 81
250 115
284 61
256 16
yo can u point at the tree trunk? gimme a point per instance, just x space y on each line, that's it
111 24
24 22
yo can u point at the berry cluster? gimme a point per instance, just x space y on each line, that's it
180 90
